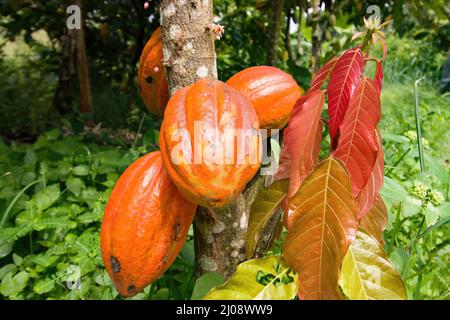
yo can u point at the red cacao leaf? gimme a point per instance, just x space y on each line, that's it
343 80
284 167
357 35
322 225
375 221
321 76
303 137
373 186
379 76
375 38
357 144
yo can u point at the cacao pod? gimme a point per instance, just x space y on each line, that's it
145 225
272 92
210 142
152 75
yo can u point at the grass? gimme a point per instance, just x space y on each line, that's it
418 235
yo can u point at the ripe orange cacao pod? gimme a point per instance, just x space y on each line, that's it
145 225
272 92
210 142
152 75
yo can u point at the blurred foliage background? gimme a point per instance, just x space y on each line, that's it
58 165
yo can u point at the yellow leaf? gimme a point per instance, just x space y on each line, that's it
367 274
259 279
262 209
322 223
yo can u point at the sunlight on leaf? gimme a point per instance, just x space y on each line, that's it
367 274
259 279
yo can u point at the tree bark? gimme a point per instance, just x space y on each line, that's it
62 99
82 65
189 55
274 34
189 52
219 235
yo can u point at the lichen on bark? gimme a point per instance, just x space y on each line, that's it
188 44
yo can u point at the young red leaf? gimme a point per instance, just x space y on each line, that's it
379 76
343 80
375 38
322 224
284 168
303 137
357 144
321 76
358 35
373 186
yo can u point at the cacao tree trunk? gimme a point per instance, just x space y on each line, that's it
189 55
82 65
274 34
188 43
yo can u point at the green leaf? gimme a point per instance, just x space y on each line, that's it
205 283
111 179
44 260
81 170
188 253
46 197
53 134
7 239
399 257
3 146
30 158
17 259
395 138
263 208
393 193
434 214
75 185
259 279
103 279
41 142
161 294
44 285
9 268
27 178
437 168
11 286
62 147
112 158
367 274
